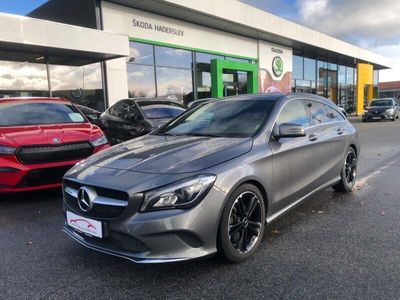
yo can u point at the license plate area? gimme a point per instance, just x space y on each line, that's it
85 225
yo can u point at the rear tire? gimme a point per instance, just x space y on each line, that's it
348 174
242 224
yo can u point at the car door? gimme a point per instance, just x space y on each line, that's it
295 160
334 142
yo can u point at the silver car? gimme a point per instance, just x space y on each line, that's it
211 179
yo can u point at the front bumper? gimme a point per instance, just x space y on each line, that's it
158 236
18 177
378 116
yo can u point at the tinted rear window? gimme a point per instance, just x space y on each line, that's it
160 110
38 113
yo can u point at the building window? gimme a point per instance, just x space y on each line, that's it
309 69
297 67
203 74
172 57
141 81
141 53
162 72
349 75
81 85
23 79
341 74
175 84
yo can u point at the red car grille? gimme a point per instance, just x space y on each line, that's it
55 153
44 176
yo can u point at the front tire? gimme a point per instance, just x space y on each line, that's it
242 224
349 172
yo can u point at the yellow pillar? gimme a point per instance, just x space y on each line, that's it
370 93
364 77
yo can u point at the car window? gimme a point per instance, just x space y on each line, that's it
381 102
295 113
333 114
130 111
161 111
38 113
318 112
116 109
125 109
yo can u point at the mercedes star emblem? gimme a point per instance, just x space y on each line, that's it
85 199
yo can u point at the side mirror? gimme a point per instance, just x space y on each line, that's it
288 130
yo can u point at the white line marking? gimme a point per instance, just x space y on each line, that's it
363 180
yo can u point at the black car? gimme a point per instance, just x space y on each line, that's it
131 118
91 114
381 109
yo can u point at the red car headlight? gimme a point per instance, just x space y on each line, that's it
6 150
99 141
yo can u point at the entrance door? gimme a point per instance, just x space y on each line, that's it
230 78
235 83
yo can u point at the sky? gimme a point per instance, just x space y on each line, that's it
370 24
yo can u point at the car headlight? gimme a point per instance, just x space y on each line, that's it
5 150
389 111
99 141
181 194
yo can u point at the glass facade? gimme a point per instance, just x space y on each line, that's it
81 85
177 74
333 80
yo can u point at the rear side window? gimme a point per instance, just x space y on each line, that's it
295 113
334 114
318 113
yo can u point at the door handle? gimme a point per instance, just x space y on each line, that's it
312 136
340 131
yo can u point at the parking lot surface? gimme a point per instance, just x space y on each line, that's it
332 246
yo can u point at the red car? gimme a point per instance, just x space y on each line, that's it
41 139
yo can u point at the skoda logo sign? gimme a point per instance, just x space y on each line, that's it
55 140
277 66
85 198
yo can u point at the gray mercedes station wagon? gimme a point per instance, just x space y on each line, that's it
211 179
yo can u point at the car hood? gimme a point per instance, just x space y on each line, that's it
44 134
170 154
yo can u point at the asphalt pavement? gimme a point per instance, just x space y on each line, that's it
333 246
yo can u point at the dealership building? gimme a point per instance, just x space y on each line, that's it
96 52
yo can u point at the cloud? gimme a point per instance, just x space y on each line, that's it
353 20
369 24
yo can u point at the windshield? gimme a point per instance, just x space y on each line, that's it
38 113
384 102
224 118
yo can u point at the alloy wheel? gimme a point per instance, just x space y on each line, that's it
350 168
245 222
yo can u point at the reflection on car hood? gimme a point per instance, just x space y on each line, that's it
16 136
170 154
